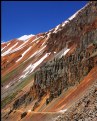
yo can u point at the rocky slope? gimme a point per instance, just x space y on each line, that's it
85 109
52 62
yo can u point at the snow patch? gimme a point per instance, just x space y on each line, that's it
2 42
20 47
28 69
23 44
14 50
74 15
8 44
58 117
31 67
38 62
29 111
54 52
50 30
3 48
35 40
64 23
48 35
14 45
25 37
62 111
56 28
7 86
7 52
31 56
41 49
37 52
24 53
63 52
43 43
70 18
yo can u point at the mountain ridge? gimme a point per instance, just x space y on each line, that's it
53 62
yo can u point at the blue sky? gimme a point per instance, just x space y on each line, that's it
20 18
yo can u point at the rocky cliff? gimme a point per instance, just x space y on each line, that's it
80 36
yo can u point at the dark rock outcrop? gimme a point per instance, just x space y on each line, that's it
61 73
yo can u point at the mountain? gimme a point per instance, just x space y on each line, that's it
45 75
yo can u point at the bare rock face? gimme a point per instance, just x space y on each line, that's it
63 73
84 22
84 110
60 73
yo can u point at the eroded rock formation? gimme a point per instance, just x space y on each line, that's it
60 73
